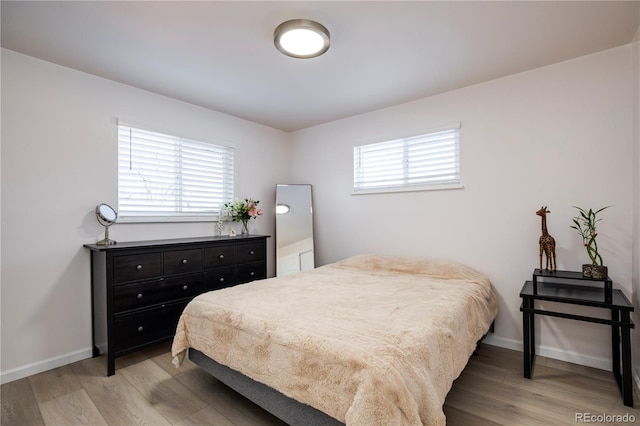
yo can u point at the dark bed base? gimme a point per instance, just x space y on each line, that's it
287 409
491 328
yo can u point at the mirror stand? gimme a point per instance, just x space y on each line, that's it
106 241
106 216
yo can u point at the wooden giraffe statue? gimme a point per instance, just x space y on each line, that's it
547 243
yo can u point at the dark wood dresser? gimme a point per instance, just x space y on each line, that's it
139 289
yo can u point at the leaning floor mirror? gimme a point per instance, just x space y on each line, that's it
294 229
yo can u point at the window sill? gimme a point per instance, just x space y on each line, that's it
165 219
409 189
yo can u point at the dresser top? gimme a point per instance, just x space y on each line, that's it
172 241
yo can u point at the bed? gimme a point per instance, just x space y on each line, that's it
369 340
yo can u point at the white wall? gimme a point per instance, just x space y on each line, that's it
59 161
558 136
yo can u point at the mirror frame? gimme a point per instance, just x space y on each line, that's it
102 218
295 250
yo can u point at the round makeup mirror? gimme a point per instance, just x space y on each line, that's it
106 216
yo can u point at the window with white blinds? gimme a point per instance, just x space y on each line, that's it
429 161
167 178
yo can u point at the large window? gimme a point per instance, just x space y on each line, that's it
167 178
429 161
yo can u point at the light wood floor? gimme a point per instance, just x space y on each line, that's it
148 390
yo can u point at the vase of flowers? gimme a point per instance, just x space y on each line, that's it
243 211
585 224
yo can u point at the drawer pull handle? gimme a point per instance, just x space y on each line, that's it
221 280
139 267
184 261
185 287
139 296
140 329
221 256
251 253
252 273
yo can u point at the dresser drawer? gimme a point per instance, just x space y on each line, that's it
182 261
219 256
250 272
140 295
140 328
137 267
251 252
219 278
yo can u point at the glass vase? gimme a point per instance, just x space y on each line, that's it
245 229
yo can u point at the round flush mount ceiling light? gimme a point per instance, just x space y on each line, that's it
301 38
282 209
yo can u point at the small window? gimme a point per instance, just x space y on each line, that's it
167 178
424 162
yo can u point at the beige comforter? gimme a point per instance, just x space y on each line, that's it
369 340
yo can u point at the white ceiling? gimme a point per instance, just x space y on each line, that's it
220 55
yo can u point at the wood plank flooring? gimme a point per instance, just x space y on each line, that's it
148 390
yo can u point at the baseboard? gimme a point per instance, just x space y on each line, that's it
595 362
549 352
493 340
41 366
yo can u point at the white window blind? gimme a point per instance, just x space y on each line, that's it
429 161
164 178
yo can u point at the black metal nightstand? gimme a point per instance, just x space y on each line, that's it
598 297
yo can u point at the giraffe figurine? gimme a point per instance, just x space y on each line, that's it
547 243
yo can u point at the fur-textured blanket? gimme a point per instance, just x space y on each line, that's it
369 340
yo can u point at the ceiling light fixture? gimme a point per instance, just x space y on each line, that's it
301 38
282 209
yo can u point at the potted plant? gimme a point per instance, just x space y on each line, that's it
585 224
